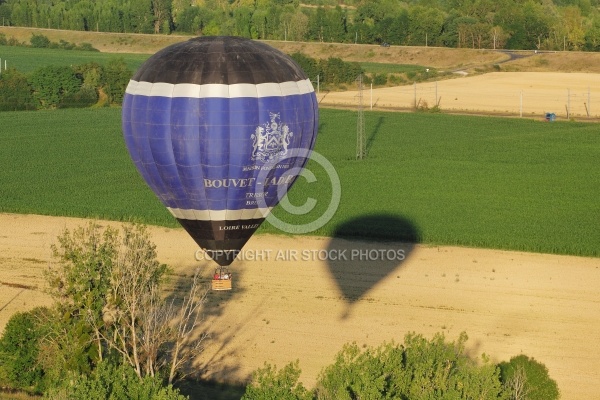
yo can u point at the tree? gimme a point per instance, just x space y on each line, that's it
425 26
260 21
133 302
112 381
371 12
81 16
243 18
336 71
315 28
268 383
189 20
5 13
112 16
115 78
107 287
465 29
56 15
516 385
39 41
162 16
498 37
525 378
15 91
51 83
90 73
335 28
419 369
592 36
394 30
81 279
308 64
177 8
294 25
572 23
529 23
19 351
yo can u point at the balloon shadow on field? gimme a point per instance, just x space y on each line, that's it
365 250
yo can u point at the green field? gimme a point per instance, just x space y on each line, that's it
460 180
384 68
26 59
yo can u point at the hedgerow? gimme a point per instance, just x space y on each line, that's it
417 369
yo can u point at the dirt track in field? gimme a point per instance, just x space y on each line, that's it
509 303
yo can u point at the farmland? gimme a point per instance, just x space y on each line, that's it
442 179
27 59
458 180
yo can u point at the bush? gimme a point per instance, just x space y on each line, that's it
268 383
115 79
85 97
63 44
380 79
357 374
309 65
39 41
336 71
90 73
85 47
15 91
528 378
52 83
397 79
12 41
19 349
114 382
419 369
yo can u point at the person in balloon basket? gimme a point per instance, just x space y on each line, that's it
219 276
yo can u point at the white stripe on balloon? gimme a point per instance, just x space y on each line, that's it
220 215
220 91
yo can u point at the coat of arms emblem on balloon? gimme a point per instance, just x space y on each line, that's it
271 140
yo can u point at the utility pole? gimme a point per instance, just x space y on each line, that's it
361 145
568 103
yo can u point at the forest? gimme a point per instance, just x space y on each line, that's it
555 25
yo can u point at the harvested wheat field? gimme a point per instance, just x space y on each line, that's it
285 307
497 93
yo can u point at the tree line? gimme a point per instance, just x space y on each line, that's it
94 84
75 86
509 24
416 369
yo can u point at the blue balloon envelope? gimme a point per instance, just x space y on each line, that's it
206 120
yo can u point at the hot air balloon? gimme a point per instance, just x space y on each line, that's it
204 119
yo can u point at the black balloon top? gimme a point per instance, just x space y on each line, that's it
223 60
